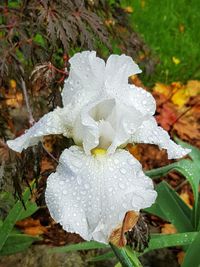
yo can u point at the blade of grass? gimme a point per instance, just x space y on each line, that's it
13 217
80 246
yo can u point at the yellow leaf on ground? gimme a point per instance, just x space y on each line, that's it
128 9
30 226
176 60
13 84
193 87
180 97
180 257
181 28
133 149
186 198
162 89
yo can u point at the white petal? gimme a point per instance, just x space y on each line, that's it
52 123
142 100
125 121
88 127
85 79
151 133
107 124
118 69
90 195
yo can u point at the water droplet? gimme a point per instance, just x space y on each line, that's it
131 162
121 185
79 180
116 161
123 171
86 186
64 192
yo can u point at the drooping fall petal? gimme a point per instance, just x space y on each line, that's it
90 195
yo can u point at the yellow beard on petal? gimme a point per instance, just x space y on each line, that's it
98 151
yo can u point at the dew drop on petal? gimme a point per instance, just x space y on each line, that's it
116 161
121 185
87 186
64 192
131 162
123 170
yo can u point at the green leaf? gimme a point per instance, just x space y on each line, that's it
171 206
190 169
13 217
80 246
159 241
31 208
16 243
103 257
195 152
192 257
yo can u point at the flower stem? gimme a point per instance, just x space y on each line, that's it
126 257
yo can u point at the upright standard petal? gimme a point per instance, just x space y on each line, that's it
118 69
90 195
151 133
107 124
52 123
86 77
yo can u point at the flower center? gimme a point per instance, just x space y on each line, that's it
98 151
101 114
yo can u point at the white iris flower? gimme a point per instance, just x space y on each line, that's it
96 181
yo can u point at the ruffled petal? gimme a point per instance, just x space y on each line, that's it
125 121
90 195
140 99
85 79
118 69
106 124
54 122
151 133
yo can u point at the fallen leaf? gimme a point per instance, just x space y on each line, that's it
167 116
186 198
13 84
46 165
176 60
180 97
168 228
128 9
180 257
30 226
193 87
133 149
181 28
162 89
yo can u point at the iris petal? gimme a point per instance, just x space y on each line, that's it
151 133
90 195
52 123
